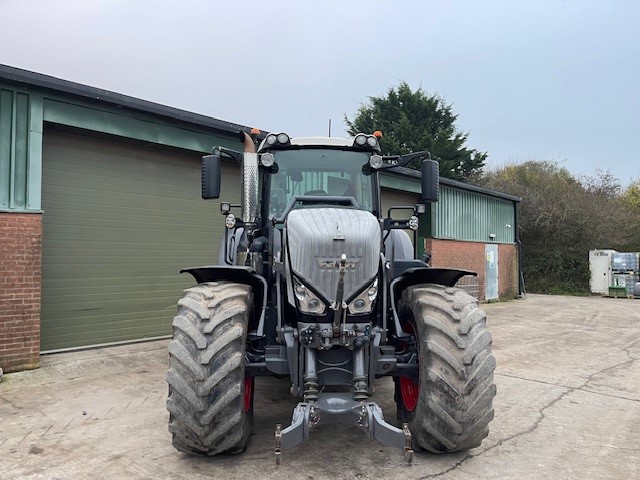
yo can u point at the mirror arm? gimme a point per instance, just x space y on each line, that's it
405 159
390 161
227 152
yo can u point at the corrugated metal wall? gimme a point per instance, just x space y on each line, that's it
20 143
14 128
464 215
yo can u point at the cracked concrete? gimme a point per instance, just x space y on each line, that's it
568 407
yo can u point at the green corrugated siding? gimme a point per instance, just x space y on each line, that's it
399 182
14 149
120 221
6 145
464 215
21 140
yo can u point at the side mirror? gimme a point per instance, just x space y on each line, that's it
210 176
430 180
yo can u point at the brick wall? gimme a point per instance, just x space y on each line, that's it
20 279
470 256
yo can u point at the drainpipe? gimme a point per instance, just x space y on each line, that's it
522 293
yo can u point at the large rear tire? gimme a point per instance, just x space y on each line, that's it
450 407
210 402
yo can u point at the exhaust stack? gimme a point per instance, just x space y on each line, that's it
249 183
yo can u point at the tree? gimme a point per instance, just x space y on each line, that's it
631 195
414 121
631 199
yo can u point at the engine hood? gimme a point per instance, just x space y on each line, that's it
317 238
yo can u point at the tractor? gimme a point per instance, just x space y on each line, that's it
315 283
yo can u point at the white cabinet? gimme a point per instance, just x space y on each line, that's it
600 267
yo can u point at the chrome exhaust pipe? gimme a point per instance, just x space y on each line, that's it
249 200
250 181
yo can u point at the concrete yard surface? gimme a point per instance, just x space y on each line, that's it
568 407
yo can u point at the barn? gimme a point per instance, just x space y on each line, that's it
100 208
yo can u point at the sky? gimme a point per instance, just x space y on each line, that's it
529 80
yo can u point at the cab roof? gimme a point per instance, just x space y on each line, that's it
322 141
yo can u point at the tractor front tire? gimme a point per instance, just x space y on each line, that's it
450 407
210 401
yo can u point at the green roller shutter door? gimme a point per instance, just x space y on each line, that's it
395 198
120 220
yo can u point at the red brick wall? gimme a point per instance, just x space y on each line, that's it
470 256
20 279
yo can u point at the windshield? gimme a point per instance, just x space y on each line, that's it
319 172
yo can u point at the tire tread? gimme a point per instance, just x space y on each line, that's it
456 369
206 369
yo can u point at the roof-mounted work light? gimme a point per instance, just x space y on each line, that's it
277 139
363 141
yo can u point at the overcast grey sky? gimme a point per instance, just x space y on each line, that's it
545 80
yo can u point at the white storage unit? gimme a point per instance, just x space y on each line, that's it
600 267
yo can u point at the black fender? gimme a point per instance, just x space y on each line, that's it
238 274
447 277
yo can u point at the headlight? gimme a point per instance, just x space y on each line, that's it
283 138
271 139
230 221
361 140
308 302
376 161
413 222
359 305
277 139
301 291
373 291
314 304
267 159
363 303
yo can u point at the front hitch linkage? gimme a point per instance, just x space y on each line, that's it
341 409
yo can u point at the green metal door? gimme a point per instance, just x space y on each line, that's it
120 220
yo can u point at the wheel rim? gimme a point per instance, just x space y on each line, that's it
409 389
410 392
248 390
